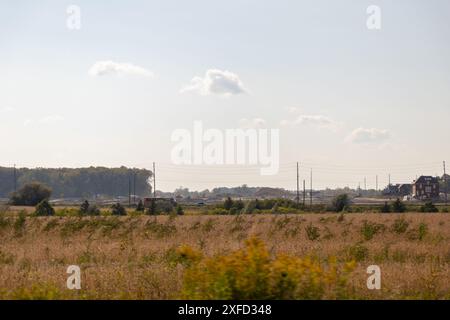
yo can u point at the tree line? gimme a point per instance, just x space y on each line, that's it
79 182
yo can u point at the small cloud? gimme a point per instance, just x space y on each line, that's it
318 121
217 82
369 136
6 109
108 67
252 123
50 119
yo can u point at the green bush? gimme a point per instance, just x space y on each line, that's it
400 225
386 208
31 194
369 229
44 208
340 202
429 207
118 210
398 206
312 232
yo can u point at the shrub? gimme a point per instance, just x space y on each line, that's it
140 206
84 208
118 210
251 273
228 203
400 225
179 210
398 206
358 252
87 209
386 208
369 229
429 207
340 202
31 194
312 232
44 209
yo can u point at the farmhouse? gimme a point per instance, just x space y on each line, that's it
426 187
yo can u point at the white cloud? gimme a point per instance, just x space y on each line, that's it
216 81
252 123
103 68
50 119
6 109
318 121
369 136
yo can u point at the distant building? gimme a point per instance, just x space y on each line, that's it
400 190
426 187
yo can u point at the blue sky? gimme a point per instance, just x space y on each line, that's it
370 101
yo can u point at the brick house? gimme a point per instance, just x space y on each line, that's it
426 187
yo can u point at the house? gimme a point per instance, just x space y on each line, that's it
405 189
426 187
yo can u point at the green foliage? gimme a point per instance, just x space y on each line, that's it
44 208
118 210
31 194
358 252
312 232
251 273
428 207
179 210
140 206
228 204
398 206
89 210
369 229
340 202
386 208
400 225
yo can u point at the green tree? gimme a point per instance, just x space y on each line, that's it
429 207
31 194
44 208
228 204
398 206
118 210
386 208
179 210
140 206
340 202
84 208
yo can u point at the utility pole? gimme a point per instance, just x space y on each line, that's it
310 191
445 185
365 184
376 182
154 181
304 193
15 179
389 179
298 192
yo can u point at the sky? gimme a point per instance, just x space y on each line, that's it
108 83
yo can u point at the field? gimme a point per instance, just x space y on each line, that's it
153 257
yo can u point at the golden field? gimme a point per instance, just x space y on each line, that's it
142 257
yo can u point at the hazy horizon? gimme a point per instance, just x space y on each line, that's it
349 102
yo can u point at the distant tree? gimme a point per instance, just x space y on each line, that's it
340 202
84 208
398 206
44 208
118 210
31 194
275 208
152 209
238 205
228 204
386 208
179 210
140 206
429 207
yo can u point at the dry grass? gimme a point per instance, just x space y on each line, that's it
135 257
